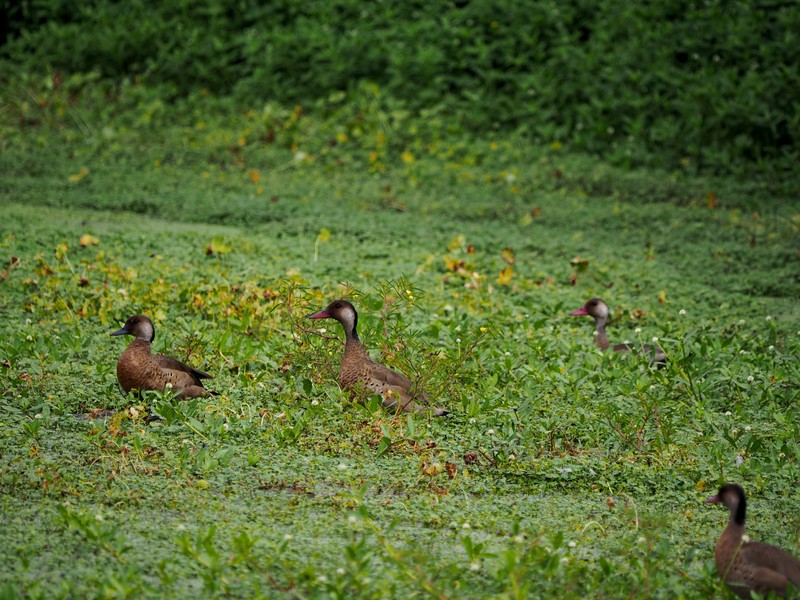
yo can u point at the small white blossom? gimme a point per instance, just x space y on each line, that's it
771 348
458 340
637 330
681 312
747 428
340 571
572 544
287 537
37 416
322 579
466 526
473 420
749 378
315 403
728 413
169 385
741 322
342 467
655 339
490 432
642 540
474 566
769 317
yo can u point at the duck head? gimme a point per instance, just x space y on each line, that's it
139 327
732 496
594 307
342 311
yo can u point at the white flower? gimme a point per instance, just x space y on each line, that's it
322 330
322 579
741 322
519 539
342 467
29 338
641 540
572 544
747 428
473 420
749 378
340 571
351 519
490 432
771 348
37 416
655 339
681 312
315 403
728 413
458 340
652 388
169 385
637 330
287 537
474 566
769 317
466 526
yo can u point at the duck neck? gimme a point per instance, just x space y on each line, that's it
602 338
352 346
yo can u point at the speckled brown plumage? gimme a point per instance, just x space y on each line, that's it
751 566
139 369
359 372
598 309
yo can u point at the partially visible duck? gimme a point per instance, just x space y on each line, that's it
598 309
750 566
139 369
360 371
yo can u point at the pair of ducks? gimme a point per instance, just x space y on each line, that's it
744 565
139 369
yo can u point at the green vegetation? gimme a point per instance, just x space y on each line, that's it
703 86
561 472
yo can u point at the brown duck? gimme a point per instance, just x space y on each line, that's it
598 309
751 566
360 371
139 369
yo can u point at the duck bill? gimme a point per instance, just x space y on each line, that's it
581 311
713 500
323 314
122 331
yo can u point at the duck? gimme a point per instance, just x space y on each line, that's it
747 566
359 372
598 309
139 369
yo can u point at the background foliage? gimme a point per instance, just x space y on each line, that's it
704 86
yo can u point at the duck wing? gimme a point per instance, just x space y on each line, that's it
181 370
